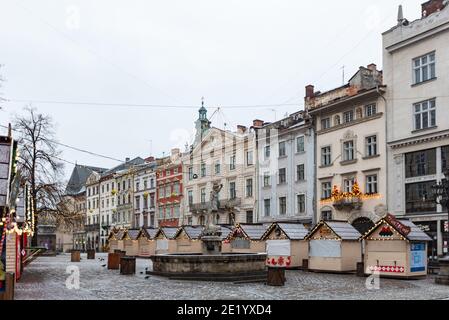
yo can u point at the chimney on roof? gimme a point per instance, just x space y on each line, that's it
432 6
310 91
241 129
258 123
372 67
127 159
149 159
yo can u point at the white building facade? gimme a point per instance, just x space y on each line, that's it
416 68
285 170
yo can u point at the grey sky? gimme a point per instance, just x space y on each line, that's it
173 52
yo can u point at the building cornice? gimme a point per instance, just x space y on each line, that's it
352 123
425 138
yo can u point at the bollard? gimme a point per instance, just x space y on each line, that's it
276 277
127 265
90 254
360 269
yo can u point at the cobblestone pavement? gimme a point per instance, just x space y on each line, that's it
45 278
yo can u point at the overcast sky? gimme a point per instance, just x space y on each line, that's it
173 52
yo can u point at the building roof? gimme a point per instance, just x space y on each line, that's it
150 232
251 231
133 233
342 229
125 165
169 232
294 231
405 228
77 181
193 232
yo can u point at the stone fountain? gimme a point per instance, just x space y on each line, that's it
211 264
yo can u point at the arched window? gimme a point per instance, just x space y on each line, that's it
326 215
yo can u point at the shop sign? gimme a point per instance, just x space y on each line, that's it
398 225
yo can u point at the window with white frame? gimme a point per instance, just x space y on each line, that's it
348 116
232 190
266 179
267 152
217 167
325 123
300 175
267 207
300 144
190 173
301 203
425 114
190 197
249 158
348 150
203 195
371 184
282 151
371 146
249 188
370 110
326 156
326 215
232 163
282 205
348 184
326 190
203 169
282 176
424 68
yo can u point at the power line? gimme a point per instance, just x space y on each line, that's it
127 105
72 147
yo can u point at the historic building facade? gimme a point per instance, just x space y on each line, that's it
285 169
92 225
145 195
222 158
169 185
108 205
350 149
416 66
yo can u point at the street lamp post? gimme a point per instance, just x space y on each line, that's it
441 194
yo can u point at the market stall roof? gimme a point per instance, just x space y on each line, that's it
342 229
132 234
225 231
120 234
405 228
293 231
150 233
168 232
112 235
193 232
250 231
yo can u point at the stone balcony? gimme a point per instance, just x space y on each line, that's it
348 203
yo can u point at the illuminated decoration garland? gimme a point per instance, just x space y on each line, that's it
338 196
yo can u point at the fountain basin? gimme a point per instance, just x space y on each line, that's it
221 267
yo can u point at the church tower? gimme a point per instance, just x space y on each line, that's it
202 125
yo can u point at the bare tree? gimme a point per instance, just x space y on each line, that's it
40 165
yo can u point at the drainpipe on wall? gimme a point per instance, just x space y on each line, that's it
386 147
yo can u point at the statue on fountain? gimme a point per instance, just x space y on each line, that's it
211 236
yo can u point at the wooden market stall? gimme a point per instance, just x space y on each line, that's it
130 242
396 248
286 245
334 246
188 239
245 238
165 240
112 241
147 242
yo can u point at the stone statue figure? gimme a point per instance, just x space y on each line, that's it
214 204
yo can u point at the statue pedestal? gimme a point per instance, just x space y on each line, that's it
211 241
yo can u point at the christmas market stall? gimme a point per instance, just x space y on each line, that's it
286 245
334 246
245 238
188 239
130 242
16 213
115 240
147 242
165 240
396 248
